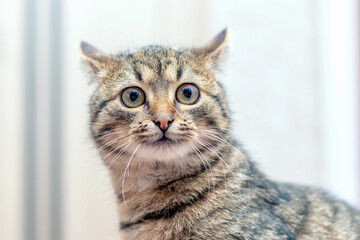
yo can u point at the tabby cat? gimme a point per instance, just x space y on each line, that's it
161 122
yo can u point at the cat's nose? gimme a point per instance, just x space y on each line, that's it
163 121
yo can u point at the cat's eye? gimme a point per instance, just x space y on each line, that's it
187 94
133 97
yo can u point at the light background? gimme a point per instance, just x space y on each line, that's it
292 79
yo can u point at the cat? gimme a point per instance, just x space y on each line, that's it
161 122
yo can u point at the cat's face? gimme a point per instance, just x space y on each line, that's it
158 103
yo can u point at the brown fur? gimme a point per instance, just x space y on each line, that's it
201 185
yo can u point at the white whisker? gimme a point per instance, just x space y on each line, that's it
197 139
124 174
221 139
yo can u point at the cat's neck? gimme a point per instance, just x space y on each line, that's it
132 173
156 190
146 175
144 179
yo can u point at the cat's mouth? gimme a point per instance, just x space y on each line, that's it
164 140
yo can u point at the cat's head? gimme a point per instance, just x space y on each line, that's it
157 102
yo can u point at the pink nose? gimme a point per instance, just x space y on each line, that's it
163 122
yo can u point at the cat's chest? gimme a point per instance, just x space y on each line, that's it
161 225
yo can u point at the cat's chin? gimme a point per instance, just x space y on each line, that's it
165 150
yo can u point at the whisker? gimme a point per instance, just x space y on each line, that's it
113 141
221 139
227 143
201 156
209 148
206 159
109 134
124 174
210 145
121 152
128 164
109 131
222 129
117 148
108 144
196 149
205 130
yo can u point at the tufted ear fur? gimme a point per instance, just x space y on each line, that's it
213 52
93 57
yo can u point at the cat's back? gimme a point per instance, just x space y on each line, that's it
312 213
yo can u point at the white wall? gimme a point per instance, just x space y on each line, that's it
339 58
275 85
11 120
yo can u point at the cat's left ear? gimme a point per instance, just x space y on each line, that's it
213 52
94 58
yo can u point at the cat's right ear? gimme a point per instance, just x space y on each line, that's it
93 57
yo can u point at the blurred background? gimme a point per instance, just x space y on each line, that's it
292 79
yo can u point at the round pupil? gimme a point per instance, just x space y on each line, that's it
187 92
134 95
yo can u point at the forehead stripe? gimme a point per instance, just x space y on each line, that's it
159 68
138 75
179 73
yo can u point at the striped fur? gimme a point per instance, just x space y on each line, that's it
201 184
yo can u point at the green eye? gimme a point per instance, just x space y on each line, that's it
187 94
133 97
